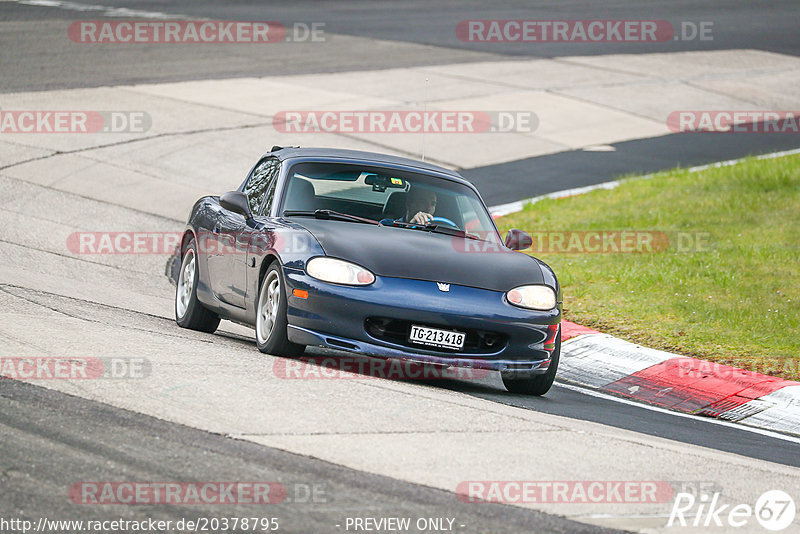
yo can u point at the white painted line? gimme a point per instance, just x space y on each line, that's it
754 430
107 11
599 148
513 207
735 161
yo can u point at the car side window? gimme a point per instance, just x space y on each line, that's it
261 185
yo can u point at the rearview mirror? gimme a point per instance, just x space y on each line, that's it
380 182
237 202
518 240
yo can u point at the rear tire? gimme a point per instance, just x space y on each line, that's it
536 384
271 322
190 312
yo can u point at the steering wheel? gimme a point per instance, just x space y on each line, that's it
443 220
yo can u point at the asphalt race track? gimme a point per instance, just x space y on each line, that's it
211 407
114 444
406 38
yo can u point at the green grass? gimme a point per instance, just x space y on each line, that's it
734 300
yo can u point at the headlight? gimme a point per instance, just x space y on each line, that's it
533 297
339 272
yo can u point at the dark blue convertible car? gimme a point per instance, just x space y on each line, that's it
374 254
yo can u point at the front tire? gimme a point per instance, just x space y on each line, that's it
537 384
271 322
190 312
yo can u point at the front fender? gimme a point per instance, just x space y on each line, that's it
288 244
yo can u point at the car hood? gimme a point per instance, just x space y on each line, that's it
422 255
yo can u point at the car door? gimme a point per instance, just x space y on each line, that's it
216 244
260 189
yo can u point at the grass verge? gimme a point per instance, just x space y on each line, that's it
715 267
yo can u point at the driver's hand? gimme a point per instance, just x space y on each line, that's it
421 218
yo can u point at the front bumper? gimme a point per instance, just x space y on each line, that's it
335 316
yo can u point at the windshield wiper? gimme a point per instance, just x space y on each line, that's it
328 214
447 230
435 228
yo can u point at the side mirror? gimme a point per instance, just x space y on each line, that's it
518 240
236 201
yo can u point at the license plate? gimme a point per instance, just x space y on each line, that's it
434 337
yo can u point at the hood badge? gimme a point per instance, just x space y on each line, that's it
443 287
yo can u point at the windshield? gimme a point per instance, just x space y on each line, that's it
386 195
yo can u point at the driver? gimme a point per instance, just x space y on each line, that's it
420 205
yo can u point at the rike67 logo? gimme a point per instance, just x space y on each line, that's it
774 510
